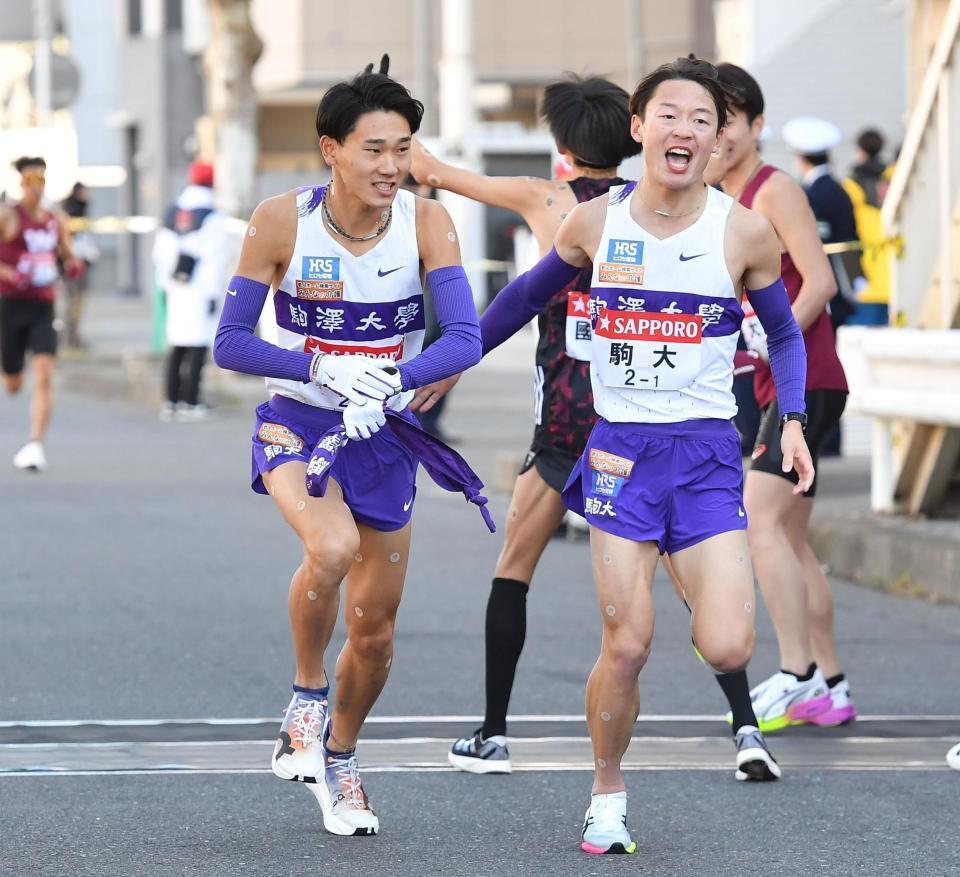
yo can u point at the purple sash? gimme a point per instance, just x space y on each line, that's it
443 464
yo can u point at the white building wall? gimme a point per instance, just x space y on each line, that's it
91 25
842 60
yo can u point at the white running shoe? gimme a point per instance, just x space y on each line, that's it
167 412
605 826
953 757
191 413
298 754
784 700
754 761
31 456
345 805
841 712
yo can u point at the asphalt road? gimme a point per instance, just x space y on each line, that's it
141 579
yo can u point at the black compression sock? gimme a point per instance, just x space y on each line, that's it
506 629
737 691
805 677
835 680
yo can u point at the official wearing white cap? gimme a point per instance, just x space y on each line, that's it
808 135
812 139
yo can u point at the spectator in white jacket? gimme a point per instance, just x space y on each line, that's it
189 257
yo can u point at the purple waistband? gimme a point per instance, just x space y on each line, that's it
314 415
301 412
705 428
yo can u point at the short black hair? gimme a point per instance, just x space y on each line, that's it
692 68
26 161
815 158
871 142
589 117
750 100
367 92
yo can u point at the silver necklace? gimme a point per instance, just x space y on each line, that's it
345 234
664 212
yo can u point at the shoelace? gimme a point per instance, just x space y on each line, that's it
606 814
348 778
307 721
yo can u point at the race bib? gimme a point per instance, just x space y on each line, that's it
41 268
578 329
647 351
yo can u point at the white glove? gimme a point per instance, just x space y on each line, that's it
356 377
363 421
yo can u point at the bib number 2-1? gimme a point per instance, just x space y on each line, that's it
647 351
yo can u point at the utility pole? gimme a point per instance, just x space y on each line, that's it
636 59
422 58
42 75
457 115
458 121
233 51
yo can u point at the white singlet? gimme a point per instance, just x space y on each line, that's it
331 300
665 318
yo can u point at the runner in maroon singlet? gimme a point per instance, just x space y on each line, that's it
31 240
590 122
809 686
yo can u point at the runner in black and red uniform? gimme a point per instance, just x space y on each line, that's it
564 413
31 240
590 123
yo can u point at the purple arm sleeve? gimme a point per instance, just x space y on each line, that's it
237 347
523 298
458 347
788 354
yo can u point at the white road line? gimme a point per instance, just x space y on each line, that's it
411 720
546 767
430 754
417 741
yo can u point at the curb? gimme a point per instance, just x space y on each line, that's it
896 554
137 376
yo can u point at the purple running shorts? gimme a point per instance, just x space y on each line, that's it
675 484
377 475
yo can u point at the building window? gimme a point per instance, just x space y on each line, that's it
173 15
134 18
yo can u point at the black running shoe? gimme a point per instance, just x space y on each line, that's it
476 755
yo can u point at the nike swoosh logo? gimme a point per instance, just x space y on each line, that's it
407 504
382 273
232 292
688 258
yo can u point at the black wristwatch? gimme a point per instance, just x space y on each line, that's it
794 415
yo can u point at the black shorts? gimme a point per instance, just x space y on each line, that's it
553 466
24 325
824 408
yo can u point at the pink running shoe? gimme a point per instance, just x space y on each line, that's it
841 711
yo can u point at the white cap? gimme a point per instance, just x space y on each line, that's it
809 135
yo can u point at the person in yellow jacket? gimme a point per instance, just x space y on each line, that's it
867 186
